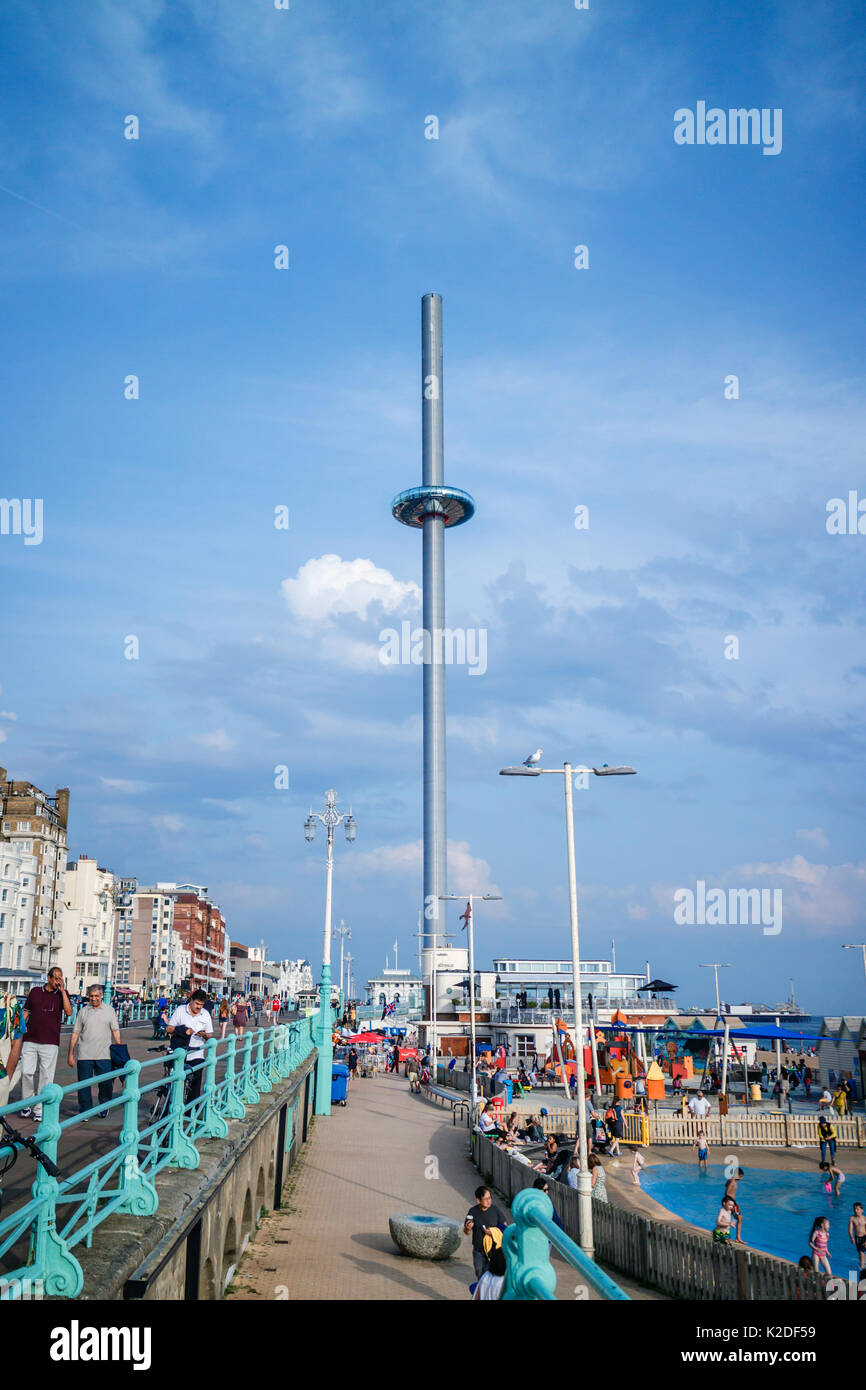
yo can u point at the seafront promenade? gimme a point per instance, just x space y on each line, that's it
388 1151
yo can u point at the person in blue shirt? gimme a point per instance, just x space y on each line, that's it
12 1030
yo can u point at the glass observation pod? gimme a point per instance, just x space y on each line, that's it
451 503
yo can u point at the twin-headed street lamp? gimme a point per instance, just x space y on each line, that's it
584 1180
330 818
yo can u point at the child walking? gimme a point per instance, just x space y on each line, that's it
819 1240
703 1148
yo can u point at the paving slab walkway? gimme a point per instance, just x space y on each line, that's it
330 1241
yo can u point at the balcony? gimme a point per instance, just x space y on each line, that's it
536 1016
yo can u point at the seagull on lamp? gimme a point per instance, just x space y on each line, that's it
533 758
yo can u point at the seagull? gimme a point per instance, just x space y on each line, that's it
533 758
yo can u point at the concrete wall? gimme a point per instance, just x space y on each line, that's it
207 1215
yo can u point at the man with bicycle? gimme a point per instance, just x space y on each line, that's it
190 1026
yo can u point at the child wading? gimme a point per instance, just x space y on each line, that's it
703 1148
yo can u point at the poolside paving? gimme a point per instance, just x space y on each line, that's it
330 1241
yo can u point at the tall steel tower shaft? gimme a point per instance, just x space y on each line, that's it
433 589
433 507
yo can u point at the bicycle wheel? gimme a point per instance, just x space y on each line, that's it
160 1105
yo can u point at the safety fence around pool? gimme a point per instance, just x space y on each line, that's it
159 1128
770 1130
679 1262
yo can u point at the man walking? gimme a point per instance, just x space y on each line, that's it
785 1093
45 1008
96 1028
699 1106
193 1026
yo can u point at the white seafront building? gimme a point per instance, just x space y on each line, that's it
18 880
87 937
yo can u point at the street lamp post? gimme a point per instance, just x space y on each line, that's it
330 818
716 966
584 1179
858 946
469 921
344 933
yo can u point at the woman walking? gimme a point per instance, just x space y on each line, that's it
223 1016
599 1179
240 1016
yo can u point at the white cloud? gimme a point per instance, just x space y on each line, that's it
815 837
234 808
219 739
466 872
121 784
7 714
173 823
328 586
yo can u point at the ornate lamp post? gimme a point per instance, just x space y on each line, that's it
330 818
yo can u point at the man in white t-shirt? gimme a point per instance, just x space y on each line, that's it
699 1106
190 1026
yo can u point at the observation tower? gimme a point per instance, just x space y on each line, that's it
433 508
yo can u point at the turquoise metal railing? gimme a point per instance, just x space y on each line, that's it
64 1212
527 1252
136 1012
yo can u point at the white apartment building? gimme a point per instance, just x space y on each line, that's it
18 884
38 823
294 976
87 939
148 950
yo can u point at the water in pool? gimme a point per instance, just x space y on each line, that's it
778 1208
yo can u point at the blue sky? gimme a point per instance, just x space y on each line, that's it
601 387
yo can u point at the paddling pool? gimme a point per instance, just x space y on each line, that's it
778 1208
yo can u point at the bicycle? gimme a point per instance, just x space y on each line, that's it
16 1142
162 1097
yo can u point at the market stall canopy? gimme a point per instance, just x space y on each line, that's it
365 1038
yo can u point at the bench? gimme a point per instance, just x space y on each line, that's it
443 1097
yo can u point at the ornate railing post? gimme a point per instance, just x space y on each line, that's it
50 1257
248 1092
212 1126
283 1061
262 1080
530 1274
182 1151
273 1062
234 1108
139 1195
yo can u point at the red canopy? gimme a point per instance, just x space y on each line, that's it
365 1038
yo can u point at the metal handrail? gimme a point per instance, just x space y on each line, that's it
65 1211
527 1252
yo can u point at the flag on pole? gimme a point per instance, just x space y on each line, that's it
466 917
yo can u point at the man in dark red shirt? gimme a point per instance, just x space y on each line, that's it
44 1010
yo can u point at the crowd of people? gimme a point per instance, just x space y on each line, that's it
30 1036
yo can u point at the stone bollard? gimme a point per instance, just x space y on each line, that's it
425 1237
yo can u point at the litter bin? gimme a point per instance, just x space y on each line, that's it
756 1091
339 1083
